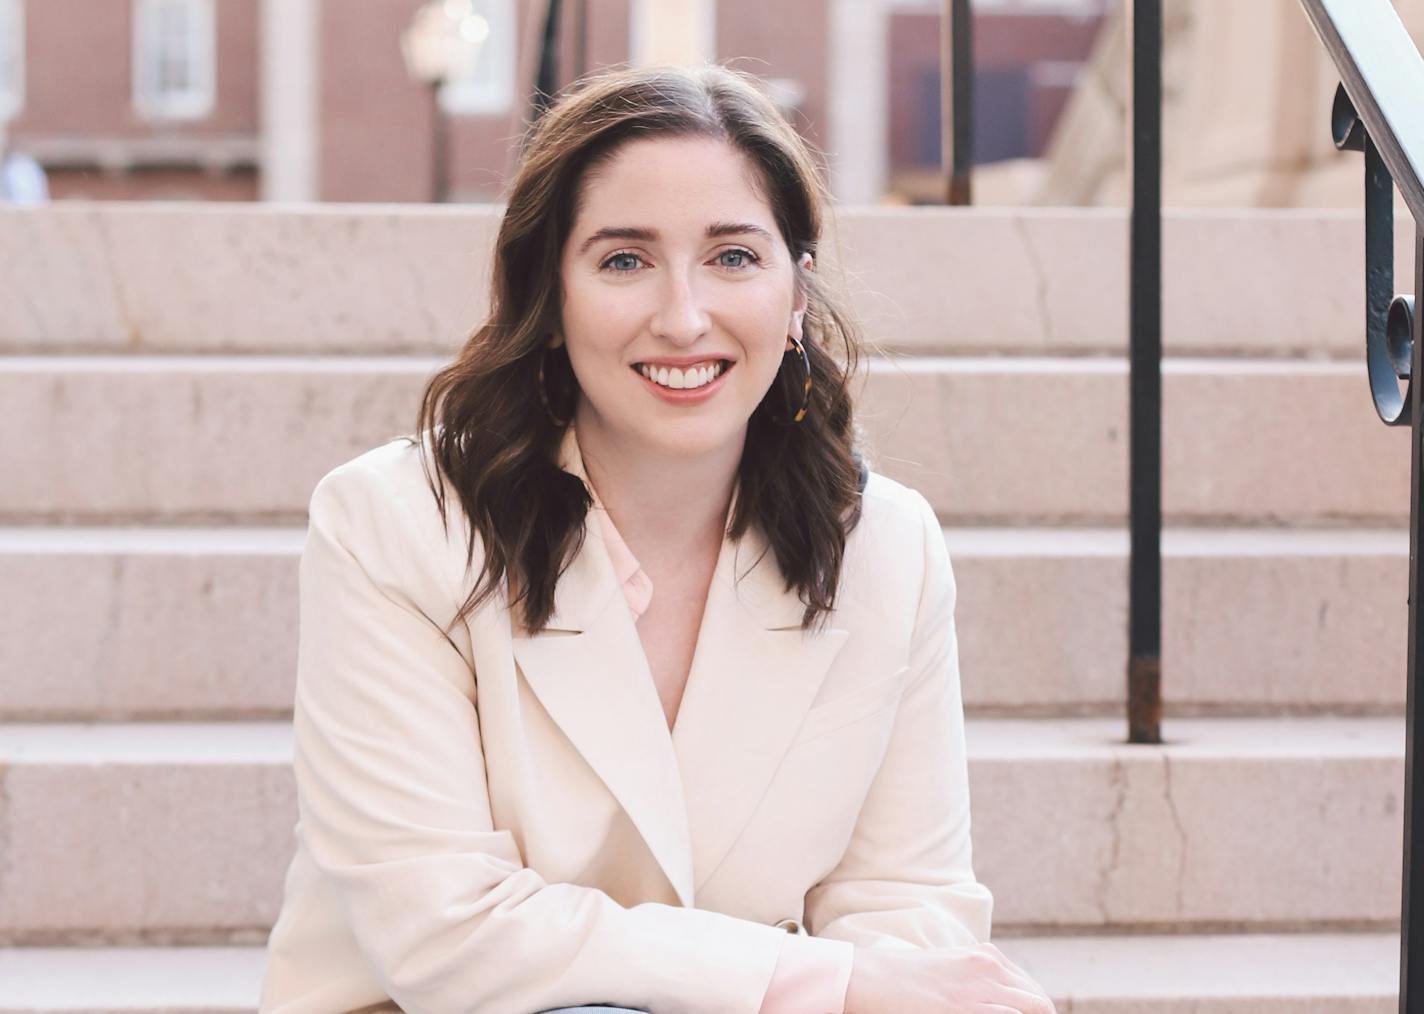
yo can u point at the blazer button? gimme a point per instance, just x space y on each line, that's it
789 925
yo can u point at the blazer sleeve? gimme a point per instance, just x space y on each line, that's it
394 809
906 878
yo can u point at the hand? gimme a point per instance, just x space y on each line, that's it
949 980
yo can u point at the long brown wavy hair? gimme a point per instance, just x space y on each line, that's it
489 432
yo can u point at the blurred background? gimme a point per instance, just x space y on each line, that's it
256 227
317 100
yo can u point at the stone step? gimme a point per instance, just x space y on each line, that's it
352 279
180 833
1218 828
202 622
203 439
1294 973
1298 973
148 623
134 980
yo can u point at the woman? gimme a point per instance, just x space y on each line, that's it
661 708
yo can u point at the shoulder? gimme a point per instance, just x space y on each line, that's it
893 553
380 479
894 515
384 499
390 469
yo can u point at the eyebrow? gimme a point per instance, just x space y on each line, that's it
714 231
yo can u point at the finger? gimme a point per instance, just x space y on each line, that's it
1005 958
1022 999
1014 973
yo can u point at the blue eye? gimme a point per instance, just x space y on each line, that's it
748 258
617 256
624 262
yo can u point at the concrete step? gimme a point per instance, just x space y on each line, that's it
148 623
1304 973
135 980
1042 620
201 623
353 279
1218 828
198 439
1296 973
180 833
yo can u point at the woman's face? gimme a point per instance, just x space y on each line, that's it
678 298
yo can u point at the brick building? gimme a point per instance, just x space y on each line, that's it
310 99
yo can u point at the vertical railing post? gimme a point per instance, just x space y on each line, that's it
1411 959
957 100
1393 344
580 39
1144 663
439 146
546 84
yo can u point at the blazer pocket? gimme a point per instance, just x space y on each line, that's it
861 702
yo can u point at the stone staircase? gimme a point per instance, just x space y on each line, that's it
174 380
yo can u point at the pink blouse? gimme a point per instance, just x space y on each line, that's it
812 974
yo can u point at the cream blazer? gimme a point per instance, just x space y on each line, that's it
501 824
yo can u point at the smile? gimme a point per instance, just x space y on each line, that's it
684 378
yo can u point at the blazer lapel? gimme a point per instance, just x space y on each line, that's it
754 677
588 669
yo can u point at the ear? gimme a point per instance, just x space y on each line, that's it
555 340
799 307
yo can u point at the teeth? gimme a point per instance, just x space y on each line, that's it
679 379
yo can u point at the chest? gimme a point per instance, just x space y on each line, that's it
668 631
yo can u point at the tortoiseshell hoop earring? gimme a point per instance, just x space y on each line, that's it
805 406
544 396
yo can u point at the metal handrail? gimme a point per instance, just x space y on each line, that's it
1379 110
1384 76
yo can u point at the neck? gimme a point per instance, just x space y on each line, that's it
661 504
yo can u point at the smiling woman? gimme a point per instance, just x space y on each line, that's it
697 313
623 681
657 222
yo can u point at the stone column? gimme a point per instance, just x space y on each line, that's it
1246 123
289 54
672 31
858 108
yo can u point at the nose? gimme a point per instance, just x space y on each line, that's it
680 317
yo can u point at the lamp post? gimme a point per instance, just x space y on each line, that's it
442 43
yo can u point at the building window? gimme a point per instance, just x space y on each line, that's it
174 58
12 58
489 88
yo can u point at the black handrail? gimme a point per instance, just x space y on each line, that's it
1379 110
1384 76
